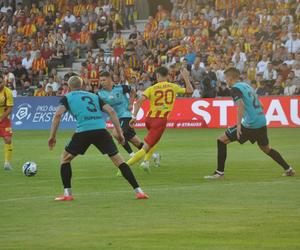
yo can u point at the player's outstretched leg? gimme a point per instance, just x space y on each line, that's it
136 142
276 156
138 155
146 163
222 155
127 147
8 148
128 175
66 176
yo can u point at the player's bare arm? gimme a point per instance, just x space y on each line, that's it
186 77
114 119
6 113
131 99
241 109
55 124
136 108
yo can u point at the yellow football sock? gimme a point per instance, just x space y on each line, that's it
150 153
8 152
138 156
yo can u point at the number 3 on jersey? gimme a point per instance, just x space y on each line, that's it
91 105
164 97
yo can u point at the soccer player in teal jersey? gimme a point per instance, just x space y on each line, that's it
251 125
121 98
90 129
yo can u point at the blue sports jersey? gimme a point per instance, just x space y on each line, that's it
87 110
254 116
118 98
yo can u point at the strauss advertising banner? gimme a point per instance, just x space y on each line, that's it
36 113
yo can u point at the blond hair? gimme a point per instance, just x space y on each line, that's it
75 82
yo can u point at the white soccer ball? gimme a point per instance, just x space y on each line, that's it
29 168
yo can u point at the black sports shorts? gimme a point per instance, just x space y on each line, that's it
259 135
100 138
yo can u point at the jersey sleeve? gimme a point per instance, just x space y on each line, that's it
236 94
9 99
64 101
126 89
147 92
178 89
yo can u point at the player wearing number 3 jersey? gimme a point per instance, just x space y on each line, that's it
90 130
251 125
162 97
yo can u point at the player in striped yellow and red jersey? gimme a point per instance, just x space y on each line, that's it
6 105
90 6
3 41
129 6
39 64
162 97
34 10
129 2
29 28
92 26
161 13
78 8
48 7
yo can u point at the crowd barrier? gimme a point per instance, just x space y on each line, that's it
36 113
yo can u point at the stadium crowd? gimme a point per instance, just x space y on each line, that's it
260 37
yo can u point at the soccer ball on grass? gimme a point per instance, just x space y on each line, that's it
29 168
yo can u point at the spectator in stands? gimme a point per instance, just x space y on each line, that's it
208 91
129 6
115 21
40 91
293 44
102 30
197 72
20 74
270 73
51 83
254 85
224 37
262 65
262 89
277 89
84 40
27 61
9 78
197 90
69 18
38 64
50 92
27 91
223 90
290 88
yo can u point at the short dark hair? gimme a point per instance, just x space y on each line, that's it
232 72
105 74
162 71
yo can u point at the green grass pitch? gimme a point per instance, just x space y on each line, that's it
252 208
